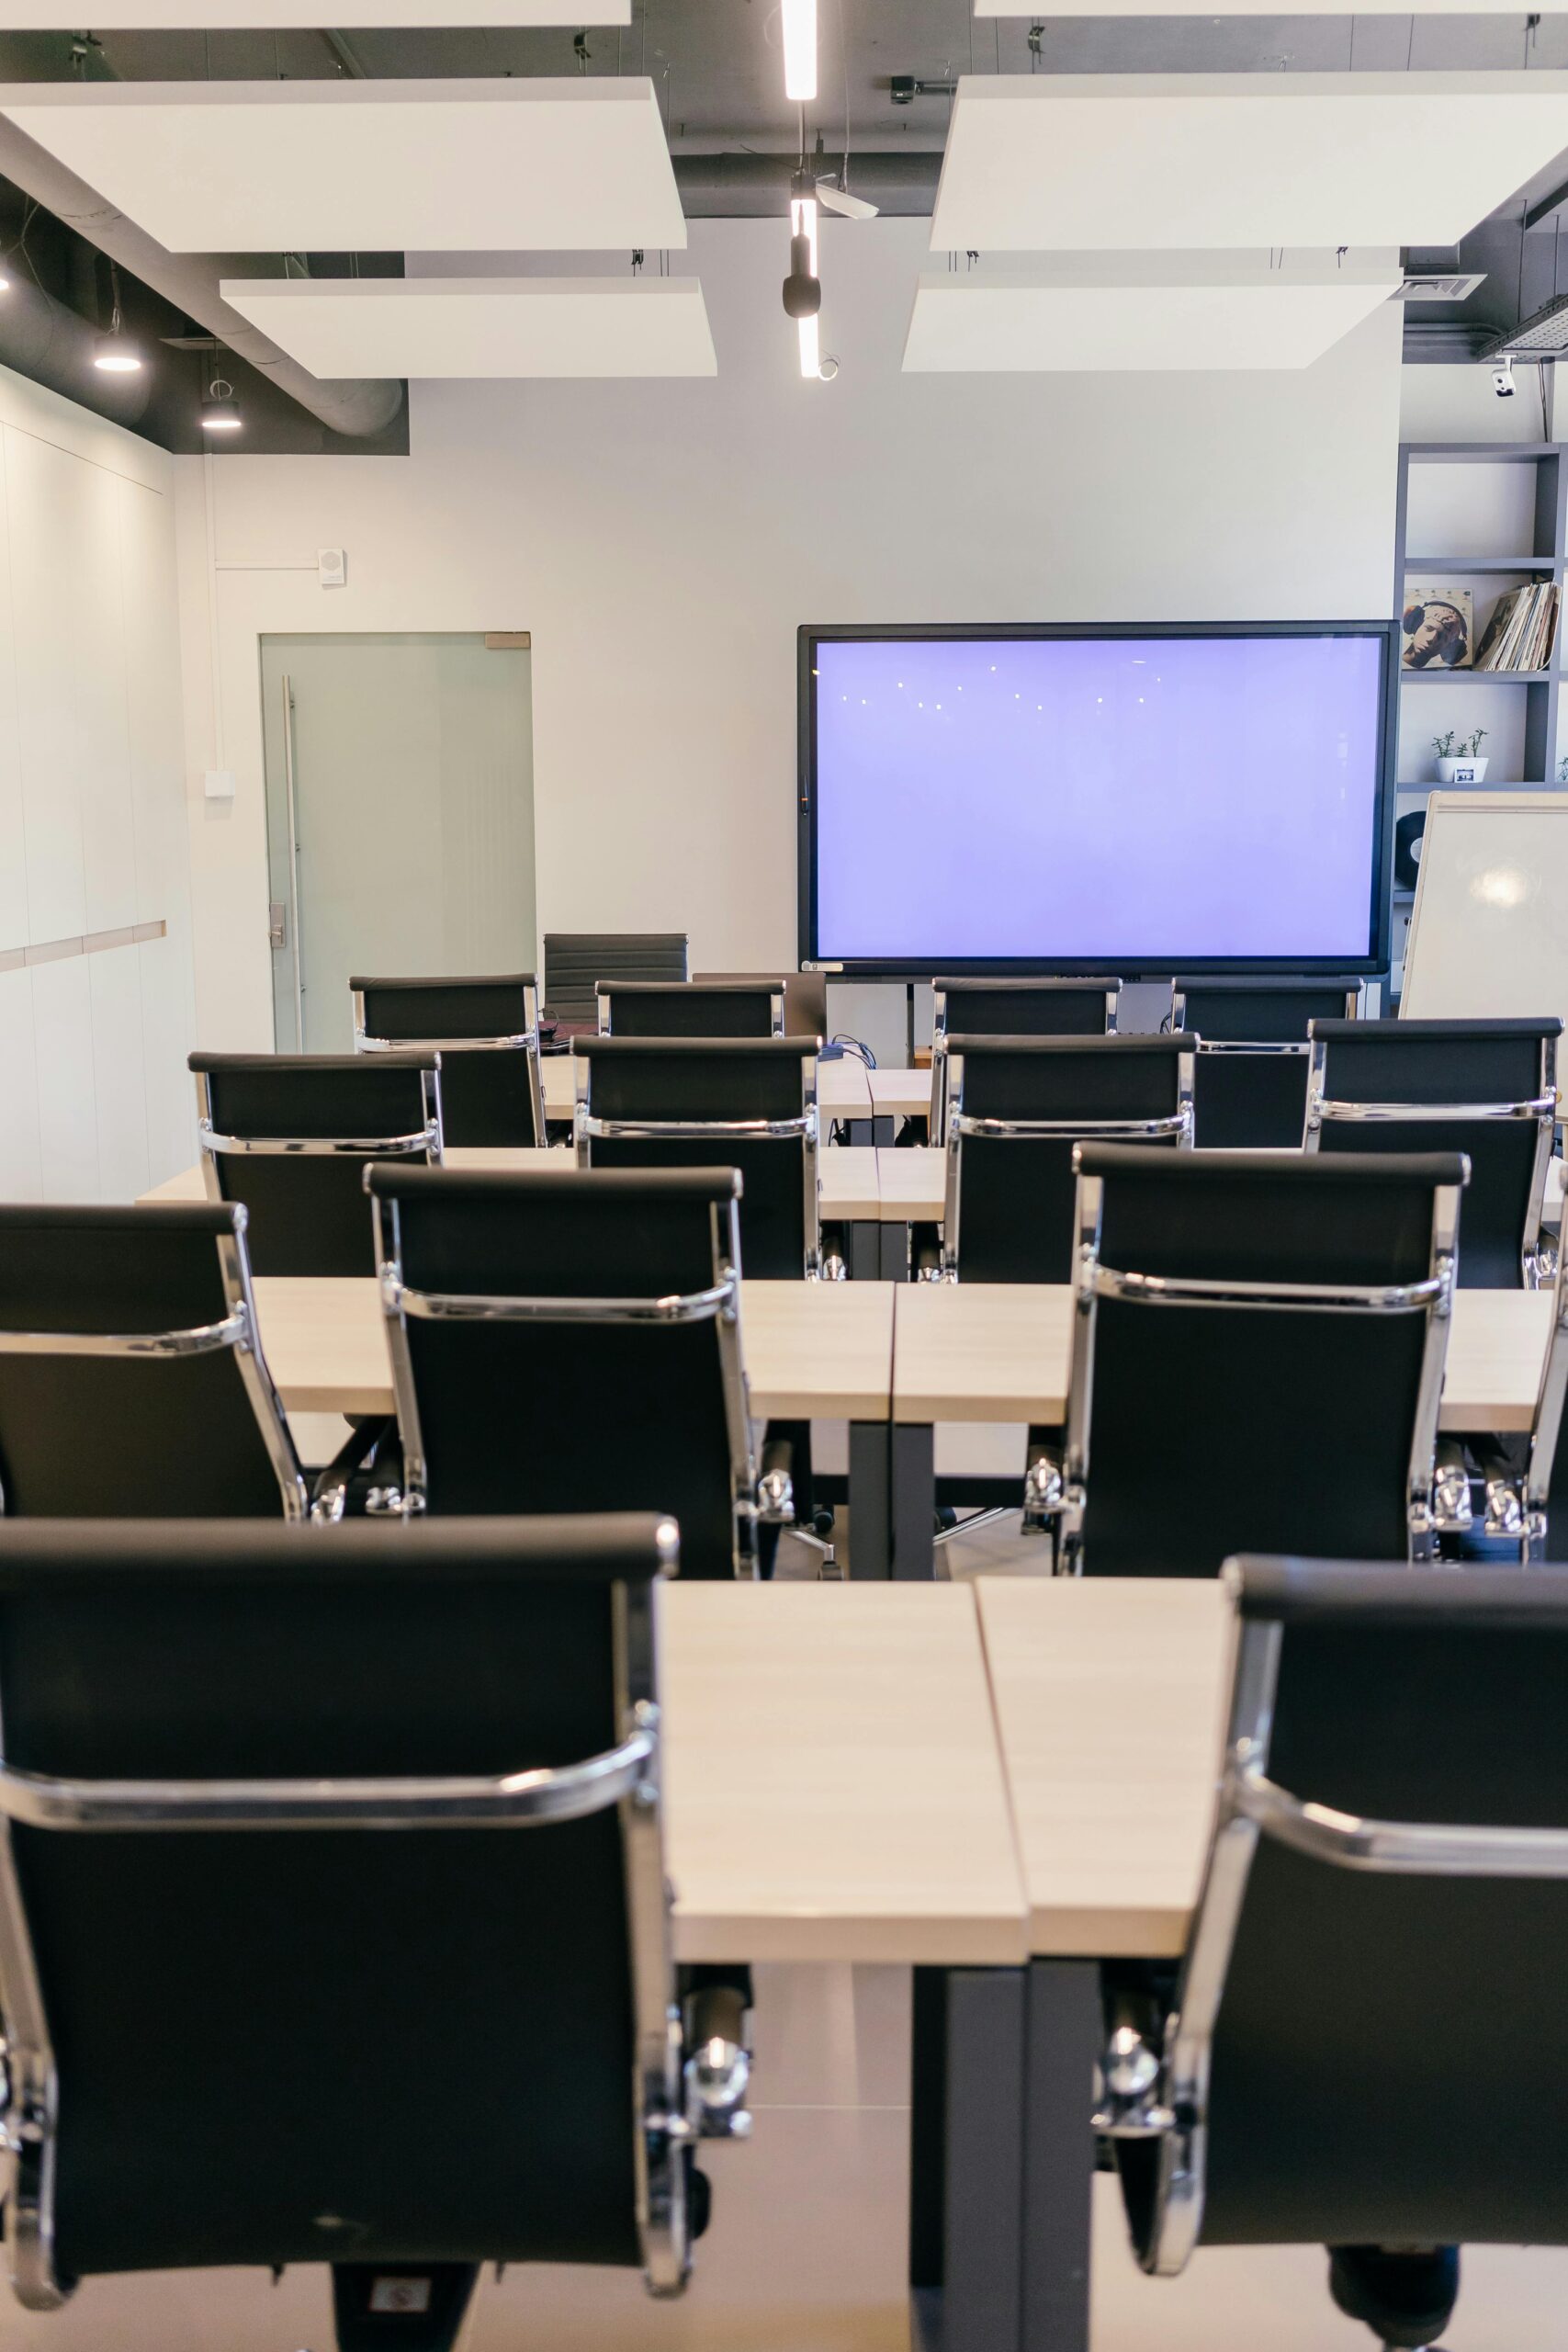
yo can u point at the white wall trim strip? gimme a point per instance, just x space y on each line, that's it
93 942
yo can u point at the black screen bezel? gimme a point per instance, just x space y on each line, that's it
1373 964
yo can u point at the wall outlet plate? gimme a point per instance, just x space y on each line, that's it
332 566
218 784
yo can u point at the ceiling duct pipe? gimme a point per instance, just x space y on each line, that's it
357 410
739 186
42 339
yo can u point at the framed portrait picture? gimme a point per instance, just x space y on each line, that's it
1439 626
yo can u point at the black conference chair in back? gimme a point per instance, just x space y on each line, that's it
805 997
1031 1008
132 1383
1485 1088
571 1341
1252 1053
749 1104
1367 2013
1017 1108
576 961
486 1032
291 1135
1296 1308
692 1009
233 1756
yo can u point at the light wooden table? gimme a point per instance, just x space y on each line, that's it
822 1349
901 1093
848 1176
1110 1696
834 1785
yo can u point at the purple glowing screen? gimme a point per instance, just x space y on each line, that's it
1154 799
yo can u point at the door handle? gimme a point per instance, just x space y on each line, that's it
289 796
278 923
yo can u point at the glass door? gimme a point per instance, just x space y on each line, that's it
400 804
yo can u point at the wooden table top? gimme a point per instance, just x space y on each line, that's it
847 1176
998 1352
834 1786
822 1349
912 1184
1110 1696
901 1093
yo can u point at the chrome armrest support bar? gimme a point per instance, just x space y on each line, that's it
1433 1849
435 1305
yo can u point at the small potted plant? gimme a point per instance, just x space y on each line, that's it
1458 759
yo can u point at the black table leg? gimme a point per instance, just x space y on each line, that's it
1066 2033
864 1237
871 1553
966 2158
914 1501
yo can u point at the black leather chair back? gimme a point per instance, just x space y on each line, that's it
1254 1055
711 1093
241 2018
306 1200
544 1403
694 1009
1011 1192
804 996
1385 2035
136 1429
1450 1075
1198 1427
489 1096
576 961
1024 1008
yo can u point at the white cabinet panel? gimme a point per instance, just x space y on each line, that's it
166 1037
118 1073
68 1116
20 1179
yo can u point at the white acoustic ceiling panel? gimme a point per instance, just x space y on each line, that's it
288 16
1091 315
1240 8
483 326
1080 163
463 166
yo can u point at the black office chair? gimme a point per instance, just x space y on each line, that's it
691 1009
488 1035
296 1832
805 997
1256 1360
1253 1053
1031 1008
1017 1108
1367 2027
702 1102
1485 1088
291 1135
576 961
572 1341
133 1382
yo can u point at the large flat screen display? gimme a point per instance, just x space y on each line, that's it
1131 800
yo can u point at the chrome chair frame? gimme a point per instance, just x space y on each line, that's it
938 1047
1177 1124
605 990
719 1303
239 1330
628 1776
1547 1427
1537 1255
1432 1298
427 1143
527 1040
1252 1806
586 1128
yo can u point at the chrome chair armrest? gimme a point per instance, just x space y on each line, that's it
1452 1511
1044 1490
775 1487
718 2070
329 1495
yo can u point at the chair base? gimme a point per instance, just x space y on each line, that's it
1406 2298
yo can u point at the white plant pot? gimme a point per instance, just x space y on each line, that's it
1461 771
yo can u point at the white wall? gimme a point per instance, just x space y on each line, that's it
93 827
663 541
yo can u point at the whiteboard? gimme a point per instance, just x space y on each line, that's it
1489 934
